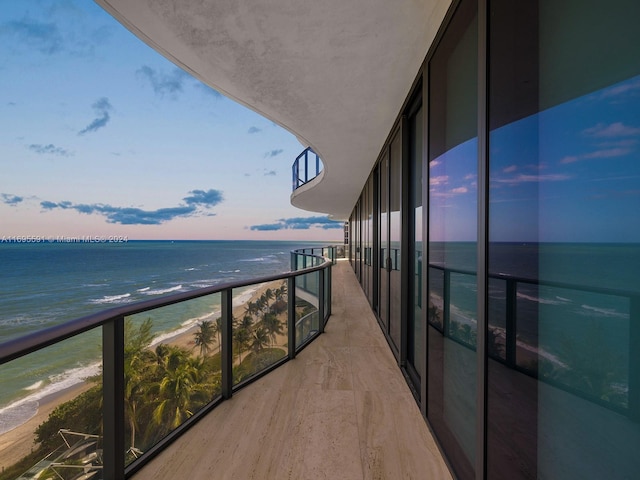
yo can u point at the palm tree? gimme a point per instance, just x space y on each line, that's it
136 358
279 293
241 336
251 309
260 339
268 295
246 323
181 388
272 325
204 337
217 328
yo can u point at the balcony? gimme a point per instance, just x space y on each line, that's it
341 409
305 168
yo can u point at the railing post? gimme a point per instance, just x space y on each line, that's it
328 292
634 358
291 317
113 399
510 323
227 343
446 307
321 300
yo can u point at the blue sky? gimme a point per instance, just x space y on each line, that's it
570 173
100 135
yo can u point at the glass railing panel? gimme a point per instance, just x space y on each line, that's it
435 312
327 292
172 369
51 411
497 331
306 308
260 333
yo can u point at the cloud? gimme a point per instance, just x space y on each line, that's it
510 169
273 153
616 129
50 149
622 89
102 108
163 83
254 130
270 173
299 223
439 180
522 178
209 198
44 37
569 159
608 153
9 199
459 190
196 204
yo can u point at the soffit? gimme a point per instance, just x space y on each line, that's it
333 72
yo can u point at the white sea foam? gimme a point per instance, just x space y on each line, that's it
543 301
257 259
162 291
20 411
124 298
607 312
145 289
35 386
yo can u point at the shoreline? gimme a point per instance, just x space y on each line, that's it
18 442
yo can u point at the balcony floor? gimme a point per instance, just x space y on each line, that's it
340 410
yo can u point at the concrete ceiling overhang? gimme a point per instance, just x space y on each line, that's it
335 73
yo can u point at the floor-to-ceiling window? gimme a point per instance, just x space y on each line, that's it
383 240
564 252
452 319
415 348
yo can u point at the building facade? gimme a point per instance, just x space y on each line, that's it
497 239
486 156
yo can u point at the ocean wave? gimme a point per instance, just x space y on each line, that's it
35 386
607 312
257 259
191 269
20 411
163 290
142 290
543 301
124 298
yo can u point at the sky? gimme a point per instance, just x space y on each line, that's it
569 173
102 136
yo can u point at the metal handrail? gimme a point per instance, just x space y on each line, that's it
512 282
112 323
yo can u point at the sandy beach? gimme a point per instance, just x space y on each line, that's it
17 443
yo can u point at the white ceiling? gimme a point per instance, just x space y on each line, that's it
333 72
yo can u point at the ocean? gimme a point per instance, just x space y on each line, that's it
45 284
573 303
